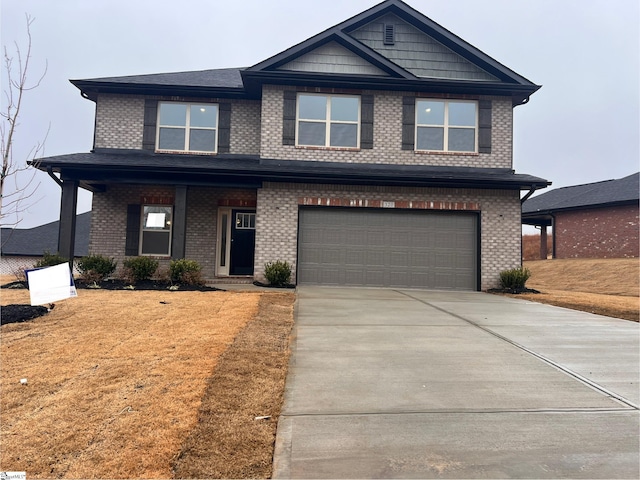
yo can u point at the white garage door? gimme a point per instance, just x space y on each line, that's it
388 248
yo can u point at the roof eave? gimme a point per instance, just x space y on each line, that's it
90 89
255 79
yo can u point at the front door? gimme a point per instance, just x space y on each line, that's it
243 240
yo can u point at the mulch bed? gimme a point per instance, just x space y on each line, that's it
513 291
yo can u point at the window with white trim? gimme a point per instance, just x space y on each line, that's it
446 125
187 127
155 234
328 120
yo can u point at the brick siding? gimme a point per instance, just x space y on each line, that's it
277 220
109 221
120 121
598 233
387 136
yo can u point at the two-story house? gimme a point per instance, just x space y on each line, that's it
376 153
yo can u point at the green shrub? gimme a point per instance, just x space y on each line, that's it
515 278
278 273
95 268
50 260
185 271
137 269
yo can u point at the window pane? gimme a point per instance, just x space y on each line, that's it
171 139
430 112
312 107
311 133
462 114
173 114
157 217
223 240
204 116
155 243
430 138
462 139
344 135
202 140
344 109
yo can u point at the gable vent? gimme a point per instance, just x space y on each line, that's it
389 34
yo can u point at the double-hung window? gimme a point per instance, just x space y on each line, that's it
187 127
155 234
328 120
446 125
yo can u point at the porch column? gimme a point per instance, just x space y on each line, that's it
67 228
543 242
178 243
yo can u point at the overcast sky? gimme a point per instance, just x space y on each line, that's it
581 127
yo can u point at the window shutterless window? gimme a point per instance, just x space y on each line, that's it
328 120
155 234
187 127
447 125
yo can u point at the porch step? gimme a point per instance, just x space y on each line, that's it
235 280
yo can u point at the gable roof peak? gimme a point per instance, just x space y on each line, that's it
481 70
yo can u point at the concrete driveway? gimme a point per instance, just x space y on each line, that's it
423 384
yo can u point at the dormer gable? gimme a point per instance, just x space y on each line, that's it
332 57
417 52
391 46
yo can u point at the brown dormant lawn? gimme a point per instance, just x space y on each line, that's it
603 286
117 382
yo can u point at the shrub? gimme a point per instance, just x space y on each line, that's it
185 271
137 269
278 273
515 278
50 260
95 268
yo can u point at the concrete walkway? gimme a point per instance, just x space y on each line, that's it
422 384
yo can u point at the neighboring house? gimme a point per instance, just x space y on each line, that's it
376 153
596 220
23 247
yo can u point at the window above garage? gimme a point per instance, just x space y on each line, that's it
328 120
446 125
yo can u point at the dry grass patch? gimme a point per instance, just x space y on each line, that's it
115 379
608 287
229 440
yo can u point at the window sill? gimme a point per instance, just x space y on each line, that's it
439 152
182 152
338 149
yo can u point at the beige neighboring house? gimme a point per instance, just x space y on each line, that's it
378 152
23 247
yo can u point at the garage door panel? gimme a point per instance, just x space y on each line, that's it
393 248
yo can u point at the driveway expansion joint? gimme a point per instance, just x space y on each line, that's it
571 373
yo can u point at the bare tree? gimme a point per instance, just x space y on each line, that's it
18 177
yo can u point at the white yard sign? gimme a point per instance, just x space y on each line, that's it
48 285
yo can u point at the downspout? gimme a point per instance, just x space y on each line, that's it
531 192
51 174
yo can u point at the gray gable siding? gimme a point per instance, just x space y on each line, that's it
332 58
417 52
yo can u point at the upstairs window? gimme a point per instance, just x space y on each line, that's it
328 121
187 127
446 125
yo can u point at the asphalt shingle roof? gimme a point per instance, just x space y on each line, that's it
33 242
625 189
217 78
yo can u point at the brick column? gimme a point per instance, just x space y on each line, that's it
543 242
